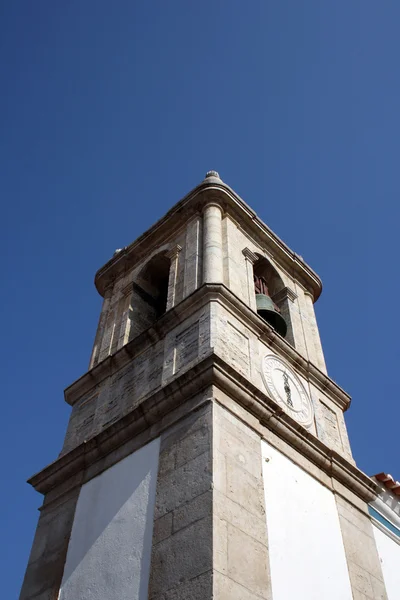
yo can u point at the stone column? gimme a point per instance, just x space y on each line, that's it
250 259
212 244
173 255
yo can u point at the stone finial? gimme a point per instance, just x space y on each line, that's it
212 174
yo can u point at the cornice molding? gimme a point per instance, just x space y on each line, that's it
285 293
230 202
74 468
249 255
208 293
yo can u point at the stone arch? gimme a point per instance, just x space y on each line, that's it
149 293
274 287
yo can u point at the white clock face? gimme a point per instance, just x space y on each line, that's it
286 389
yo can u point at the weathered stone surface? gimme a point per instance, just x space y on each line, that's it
365 569
162 528
198 588
247 562
226 588
182 556
46 562
198 508
240 535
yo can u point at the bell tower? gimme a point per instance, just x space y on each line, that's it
206 454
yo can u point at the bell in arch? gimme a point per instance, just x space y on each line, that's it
267 309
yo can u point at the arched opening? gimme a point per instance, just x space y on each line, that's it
267 285
150 293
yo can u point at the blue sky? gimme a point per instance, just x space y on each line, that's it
111 112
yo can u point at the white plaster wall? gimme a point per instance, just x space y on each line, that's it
109 551
389 554
307 556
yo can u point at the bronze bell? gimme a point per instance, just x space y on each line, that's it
267 311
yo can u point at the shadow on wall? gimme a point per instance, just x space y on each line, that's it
109 551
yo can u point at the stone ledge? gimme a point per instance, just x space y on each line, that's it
211 371
198 299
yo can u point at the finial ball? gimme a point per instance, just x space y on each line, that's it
212 174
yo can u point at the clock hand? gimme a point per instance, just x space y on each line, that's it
287 389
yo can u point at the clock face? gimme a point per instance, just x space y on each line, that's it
286 389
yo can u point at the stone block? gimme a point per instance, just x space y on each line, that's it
220 545
378 588
198 588
192 511
226 588
360 549
360 580
162 528
196 442
234 448
244 489
181 557
183 484
237 428
247 562
219 471
352 514
240 517
46 561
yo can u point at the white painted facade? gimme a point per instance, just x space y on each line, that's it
109 551
307 556
389 555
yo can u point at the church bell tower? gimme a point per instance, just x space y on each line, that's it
206 455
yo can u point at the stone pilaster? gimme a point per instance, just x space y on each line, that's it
125 321
363 562
181 565
240 545
313 333
250 259
94 359
46 562
193 261
173 255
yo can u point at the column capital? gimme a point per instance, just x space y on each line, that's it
249 255
212 203
285 293
173 253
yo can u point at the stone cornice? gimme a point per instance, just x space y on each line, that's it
275 418
203 295
193 203
71 469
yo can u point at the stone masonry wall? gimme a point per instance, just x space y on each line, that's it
363 562
303 329
46 561
151 368
240 545
181 566
240 347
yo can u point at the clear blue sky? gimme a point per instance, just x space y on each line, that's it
111 112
